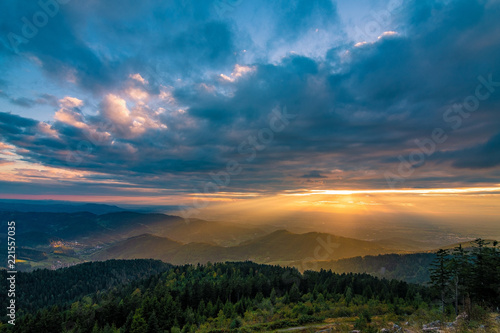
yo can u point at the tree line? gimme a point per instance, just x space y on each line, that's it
463 277
224 297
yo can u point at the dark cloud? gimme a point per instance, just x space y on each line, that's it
133 37
209 44
356 108
481 156
313 174
47 99
29 102
11 123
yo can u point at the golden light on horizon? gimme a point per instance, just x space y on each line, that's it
400 191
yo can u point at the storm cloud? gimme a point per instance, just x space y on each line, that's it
161 95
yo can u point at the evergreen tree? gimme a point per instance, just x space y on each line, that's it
461 271
273 296
485 278
440 273
348 295
138 323
128 323
153 326
163 302
294 295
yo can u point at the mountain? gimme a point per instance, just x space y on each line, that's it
137 246
406 244
37 238
466 245
283 245
412 268
213 232
62 239
53 240
278 247
60 225
51 206
93 229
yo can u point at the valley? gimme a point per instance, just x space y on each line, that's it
56 240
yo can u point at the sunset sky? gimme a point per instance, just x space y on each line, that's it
306 103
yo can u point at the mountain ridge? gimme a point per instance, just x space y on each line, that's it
280 245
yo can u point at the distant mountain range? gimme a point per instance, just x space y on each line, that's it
51 206
40 228
278 247
59 239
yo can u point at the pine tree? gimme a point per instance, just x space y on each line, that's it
128 323
348 295
138 323
461 270
496 271
440 274
294 295
485 276
273 296
153 326
96 329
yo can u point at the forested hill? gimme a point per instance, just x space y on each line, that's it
215 297
43 288
412 268
277 247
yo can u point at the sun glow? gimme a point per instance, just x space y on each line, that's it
396 191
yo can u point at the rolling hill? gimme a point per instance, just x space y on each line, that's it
51 206
278 247
466 245
406 244
92 229
411 267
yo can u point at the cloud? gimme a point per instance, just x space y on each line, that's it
239 71
14 124
481 156
127 122
26 102
171 100
115 109
143 39
313 174
138 78
70 112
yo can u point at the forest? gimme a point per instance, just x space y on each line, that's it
466 277
132 296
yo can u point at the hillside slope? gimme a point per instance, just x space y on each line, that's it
93 229
278 247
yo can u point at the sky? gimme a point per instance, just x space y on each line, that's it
189 102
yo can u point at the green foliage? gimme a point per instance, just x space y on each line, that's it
138 323
294 294
153 326
470 275
412 268
440 273
236 323
348 295
44 288
216 297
